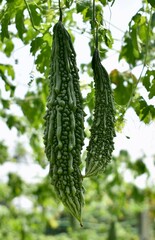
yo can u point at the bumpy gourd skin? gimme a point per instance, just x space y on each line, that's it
102 131
64 123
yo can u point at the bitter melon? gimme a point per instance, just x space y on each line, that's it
64 123
101 143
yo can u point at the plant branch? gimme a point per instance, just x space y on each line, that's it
31 18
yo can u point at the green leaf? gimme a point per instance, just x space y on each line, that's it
17 122
144 114
36 15
89 101
152 111
124 83
139 167
137 193
5 103
108 38
30 33
15 183
136 18
99 14
135 40
127 51
33 108
153 20
149 82
143 31
5 71
143 110
10 71
35 45
82 5
4 27
48 39
135 43
103 2
38 150
4 156
9 46
146 81
139 104
152 89
20 23
68 3
42 60
152 3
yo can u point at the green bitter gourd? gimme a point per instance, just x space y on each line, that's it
101 143
64 123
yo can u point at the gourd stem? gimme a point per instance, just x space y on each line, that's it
60 11
96 37
94 25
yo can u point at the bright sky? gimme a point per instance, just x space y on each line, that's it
142 137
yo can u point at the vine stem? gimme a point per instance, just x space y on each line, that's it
134 89
94 12
94 25
60 11
31 18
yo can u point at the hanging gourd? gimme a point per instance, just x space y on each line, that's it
64 123
101 144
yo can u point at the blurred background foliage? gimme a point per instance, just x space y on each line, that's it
116 207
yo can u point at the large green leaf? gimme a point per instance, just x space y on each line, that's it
144 111
8 47
128 52
6 71
135 43
136 39
20 23
32 108
4 27
82 5
68 3
84 8
124 83
35 14
5 103
149 82
35 44
17 122
43 59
